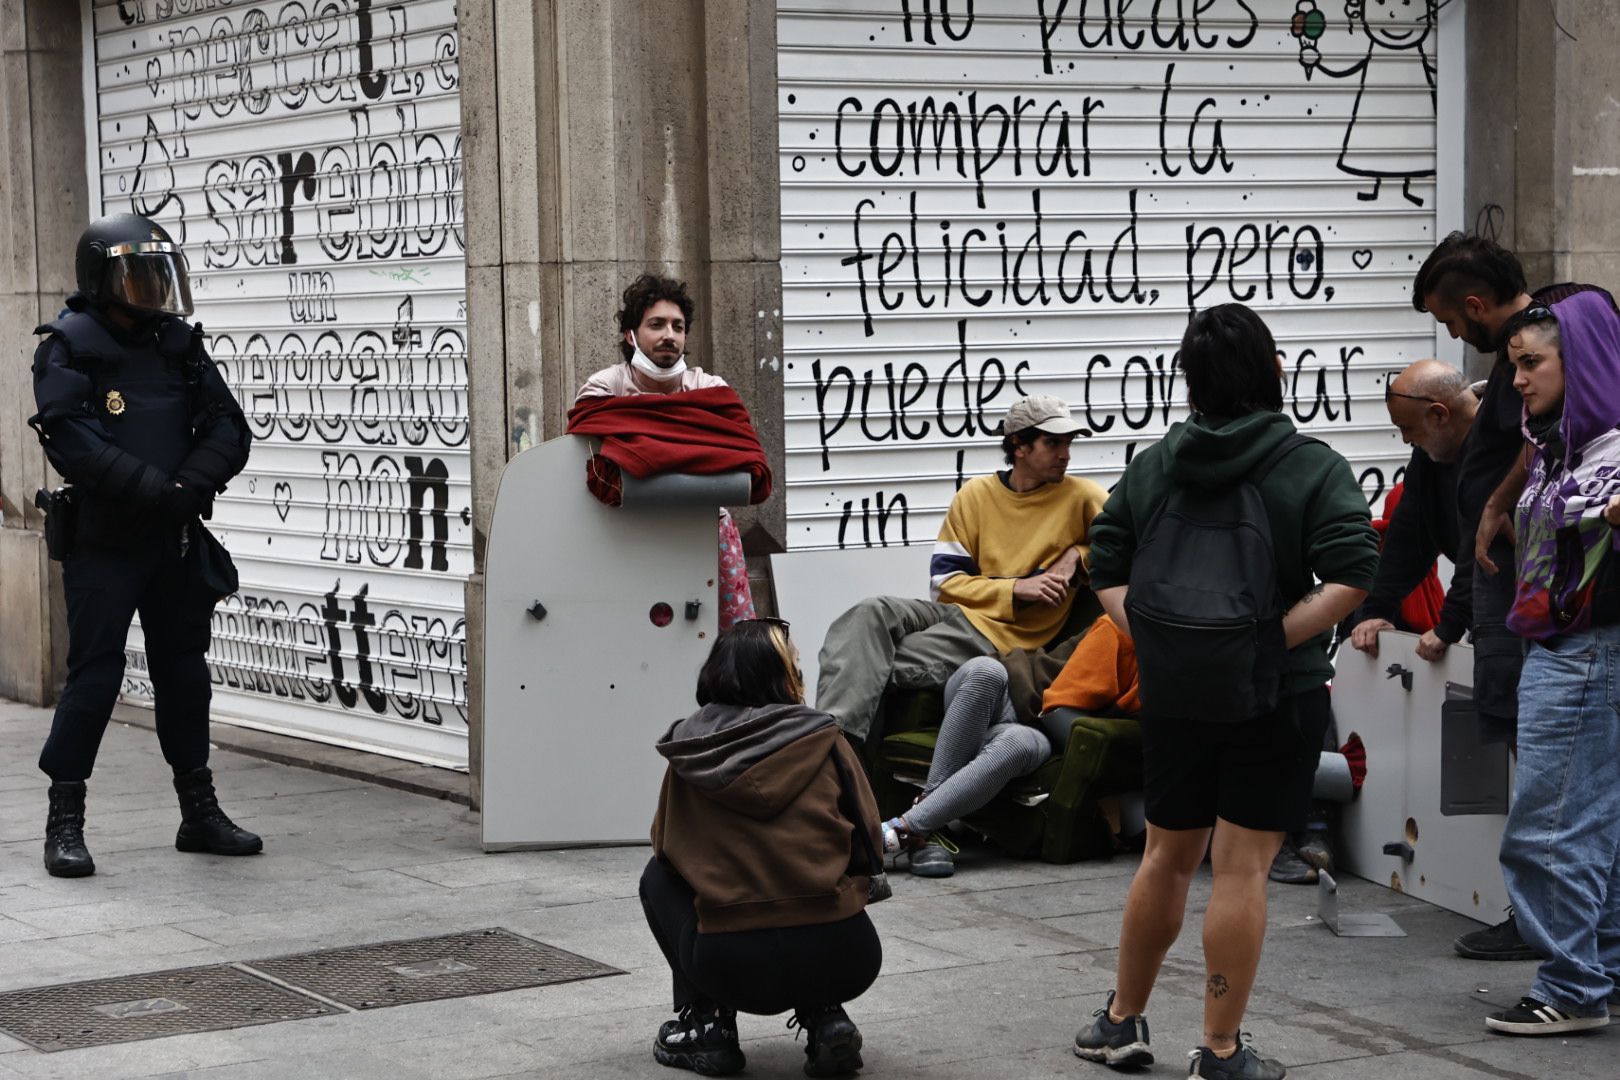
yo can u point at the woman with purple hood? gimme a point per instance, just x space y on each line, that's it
1561 845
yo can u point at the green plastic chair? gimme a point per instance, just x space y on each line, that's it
1052 813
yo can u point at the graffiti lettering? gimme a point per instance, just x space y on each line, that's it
395 196
952 30
1172 24
923 128
414 664
1021 270
344 385
374 513
977 390
311 297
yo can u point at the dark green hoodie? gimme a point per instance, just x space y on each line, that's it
1320 525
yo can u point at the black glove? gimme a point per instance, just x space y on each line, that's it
180 502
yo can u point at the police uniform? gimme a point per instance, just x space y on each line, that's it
139 421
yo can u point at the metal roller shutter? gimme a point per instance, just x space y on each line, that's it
307 153
982 200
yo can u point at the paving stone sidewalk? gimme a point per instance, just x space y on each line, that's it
987 974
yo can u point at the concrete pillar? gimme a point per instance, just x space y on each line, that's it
43 207
1544 134
602 139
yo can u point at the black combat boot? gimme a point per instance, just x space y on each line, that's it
65 853
203 825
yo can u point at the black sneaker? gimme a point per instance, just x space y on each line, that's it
834 1046
702 1038
1243 1065
1532 1017
1120 1046
1499 942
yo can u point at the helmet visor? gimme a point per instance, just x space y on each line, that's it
149 277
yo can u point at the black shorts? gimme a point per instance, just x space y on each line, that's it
1257 774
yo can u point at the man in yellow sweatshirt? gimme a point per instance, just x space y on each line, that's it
1011 550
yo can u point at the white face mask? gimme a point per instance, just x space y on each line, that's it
643 363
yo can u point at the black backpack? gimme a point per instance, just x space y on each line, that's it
1203 603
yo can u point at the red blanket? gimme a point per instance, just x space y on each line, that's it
695 431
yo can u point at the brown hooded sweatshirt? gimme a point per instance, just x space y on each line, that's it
752 815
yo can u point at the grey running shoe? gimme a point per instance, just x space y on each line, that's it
1499 942
937 858
1532 1017
1121 1046
1289 868
1243 1065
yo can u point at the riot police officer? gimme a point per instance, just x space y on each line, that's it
139 421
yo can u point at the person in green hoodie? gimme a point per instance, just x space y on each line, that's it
1233 789
765 855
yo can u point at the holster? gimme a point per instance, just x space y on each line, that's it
61 510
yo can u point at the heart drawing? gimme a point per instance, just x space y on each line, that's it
282 499
1362 257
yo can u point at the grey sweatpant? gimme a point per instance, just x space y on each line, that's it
884 640
981 747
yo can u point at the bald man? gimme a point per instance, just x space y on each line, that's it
1432 405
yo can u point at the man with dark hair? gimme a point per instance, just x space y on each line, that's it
1432 405
1232 785
1002 576
653 324
1462 283
657 315
1473 286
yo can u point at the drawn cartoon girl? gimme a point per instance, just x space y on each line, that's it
1391 28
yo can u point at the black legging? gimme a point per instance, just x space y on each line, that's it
757 971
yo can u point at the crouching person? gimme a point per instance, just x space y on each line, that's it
765 855
1232 722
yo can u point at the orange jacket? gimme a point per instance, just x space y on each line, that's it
1100 675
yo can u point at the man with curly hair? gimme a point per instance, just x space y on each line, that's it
1006 568
657 315
653 324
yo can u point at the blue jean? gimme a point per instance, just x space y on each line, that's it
1561 846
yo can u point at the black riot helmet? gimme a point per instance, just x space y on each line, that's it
130 261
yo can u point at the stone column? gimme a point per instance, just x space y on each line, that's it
44 203
603 139
1544 134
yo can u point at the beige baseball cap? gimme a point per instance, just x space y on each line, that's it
1046 414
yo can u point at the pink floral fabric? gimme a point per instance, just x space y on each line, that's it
736 598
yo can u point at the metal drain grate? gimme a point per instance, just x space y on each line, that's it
135 1007
431 969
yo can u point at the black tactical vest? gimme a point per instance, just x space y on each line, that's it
142 392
